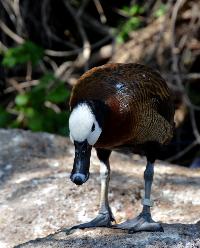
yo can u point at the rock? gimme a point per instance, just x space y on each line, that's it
37 197
175 235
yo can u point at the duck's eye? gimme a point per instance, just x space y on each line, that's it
93 128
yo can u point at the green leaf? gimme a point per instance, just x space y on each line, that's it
126 9
133 10
39 93
160 11
63 127
46 79
22 99
21 54
5 117
36 115
132 24
14 124
29 112
36 124
58 95
120 38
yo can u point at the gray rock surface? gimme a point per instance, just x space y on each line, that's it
37 197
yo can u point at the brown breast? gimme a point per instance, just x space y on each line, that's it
139 100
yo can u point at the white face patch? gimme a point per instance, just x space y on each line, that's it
81 123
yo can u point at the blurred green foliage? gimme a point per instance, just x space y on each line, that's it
5 117
133 13
133 10
41 107
21 54
160 11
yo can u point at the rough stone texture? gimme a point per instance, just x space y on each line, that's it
37 197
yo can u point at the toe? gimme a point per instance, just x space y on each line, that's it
127 224
102 220
148 227
139 224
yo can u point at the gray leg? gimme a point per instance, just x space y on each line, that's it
144 221
148 180
104 217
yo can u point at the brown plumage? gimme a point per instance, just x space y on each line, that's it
139 100
120 106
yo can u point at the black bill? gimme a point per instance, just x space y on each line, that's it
80 171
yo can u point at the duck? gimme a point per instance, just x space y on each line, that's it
120 107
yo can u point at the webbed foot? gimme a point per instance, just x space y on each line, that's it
103 219
143 222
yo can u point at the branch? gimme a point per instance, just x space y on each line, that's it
3 47
10 33
15 85
85 55
19 21
62 69
100 10
183 152
175 68
9 9
95 25
20 86
82 8
51 62
54 53
47 28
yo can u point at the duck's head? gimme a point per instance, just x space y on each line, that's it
84 133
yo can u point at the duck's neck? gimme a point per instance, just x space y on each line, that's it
99 109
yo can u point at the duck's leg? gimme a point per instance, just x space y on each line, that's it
144 222
104 217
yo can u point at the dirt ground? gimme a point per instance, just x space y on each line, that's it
37 197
